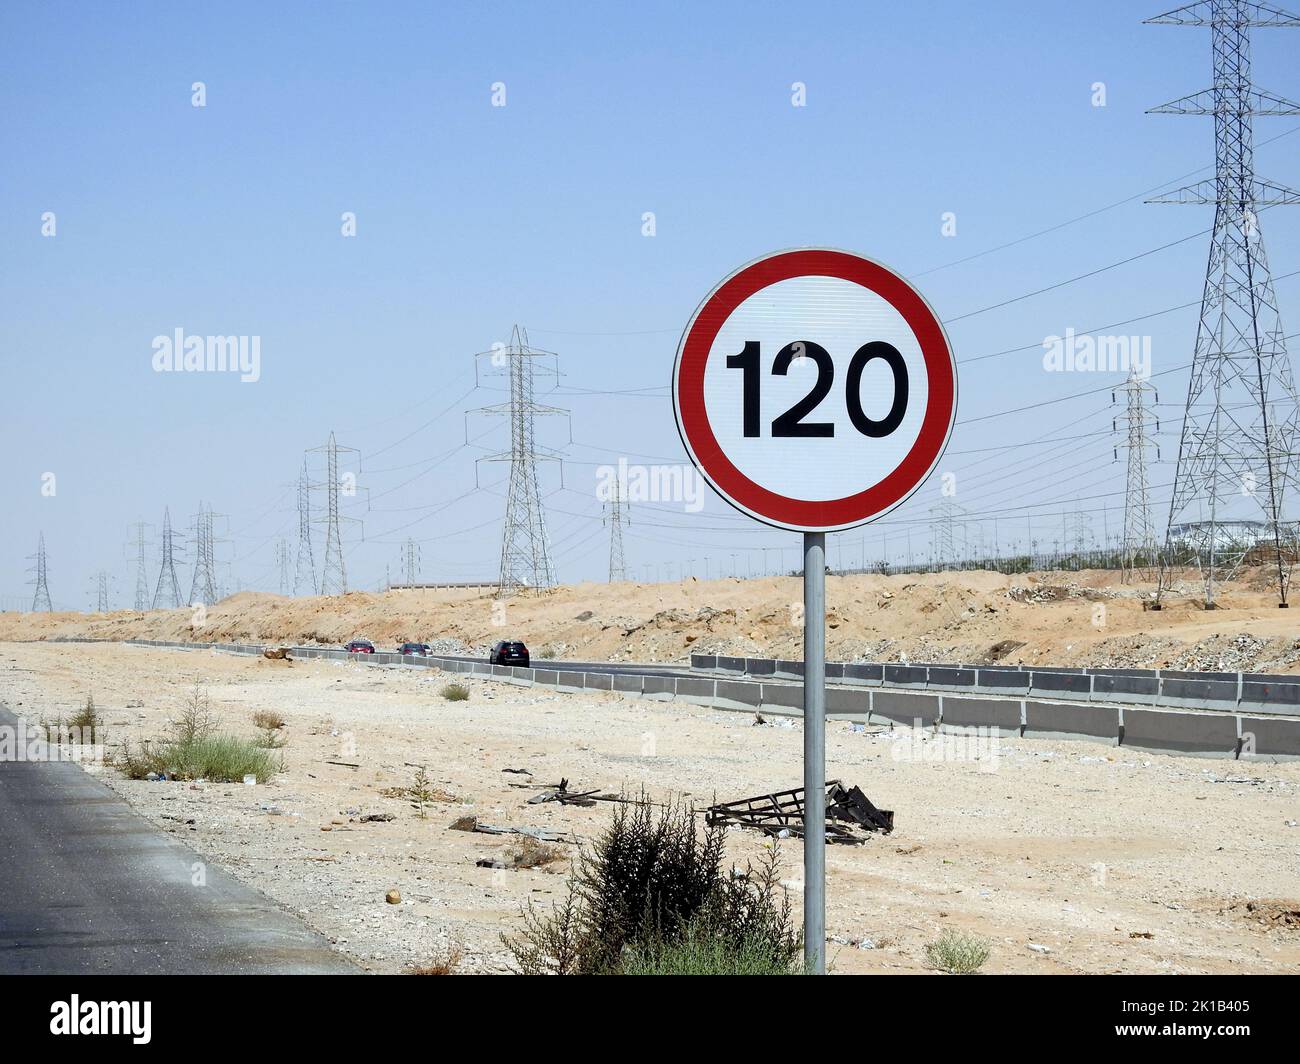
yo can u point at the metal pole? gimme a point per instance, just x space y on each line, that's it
814 751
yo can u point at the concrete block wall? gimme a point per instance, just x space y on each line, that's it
1038 706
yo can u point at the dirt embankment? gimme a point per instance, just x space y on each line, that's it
1049 618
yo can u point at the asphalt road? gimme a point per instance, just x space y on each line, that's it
87 886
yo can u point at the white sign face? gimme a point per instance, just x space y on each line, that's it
814 389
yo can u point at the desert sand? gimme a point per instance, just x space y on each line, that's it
1067 856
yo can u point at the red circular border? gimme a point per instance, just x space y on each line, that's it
707 453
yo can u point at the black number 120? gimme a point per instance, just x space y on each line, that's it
792 423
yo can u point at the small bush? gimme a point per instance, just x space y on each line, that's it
194 750
86 717
455 692
532 853
445 962
268 720
957 953
196 719
704 953
651 894
135 765
219 758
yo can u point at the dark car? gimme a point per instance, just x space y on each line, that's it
508 652
419 649
360 646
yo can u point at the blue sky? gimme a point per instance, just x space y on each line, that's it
225 219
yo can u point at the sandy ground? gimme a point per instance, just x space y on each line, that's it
1046 618
1060 853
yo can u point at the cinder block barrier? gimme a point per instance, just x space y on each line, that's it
905 708
521 673
546 677
1184 733
1271 696
906 675
782 696
704 661
1125 687
1064 720
1001 713
569 681
1053 683
661 688
864 674
1269 737
628 683
951 676
738 694
787 668
598 681
844 702
760 666
1179 691
730 664
699 691
1000 681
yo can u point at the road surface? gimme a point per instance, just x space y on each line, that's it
87 886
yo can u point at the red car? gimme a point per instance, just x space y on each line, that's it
360 646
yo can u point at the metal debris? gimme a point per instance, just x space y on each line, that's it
850 816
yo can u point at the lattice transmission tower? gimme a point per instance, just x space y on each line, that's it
411 562
616 516
284 564
334 577
203 585
1234 460
101 591
41 600
304 574
944 539
141 568
1136 427
168 591
525 546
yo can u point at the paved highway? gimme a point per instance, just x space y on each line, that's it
87 886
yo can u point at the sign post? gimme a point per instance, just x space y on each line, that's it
815 390
814 750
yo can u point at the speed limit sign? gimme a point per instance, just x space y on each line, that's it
814 389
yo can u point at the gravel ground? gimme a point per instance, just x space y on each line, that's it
1065 855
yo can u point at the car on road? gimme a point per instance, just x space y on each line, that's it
418 649
508 652
360 646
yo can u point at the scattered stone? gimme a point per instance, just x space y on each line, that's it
464 823
393 897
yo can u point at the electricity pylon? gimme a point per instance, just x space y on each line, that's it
616 518
1135 428
304 575
1241 419
283 564
168 591
41 601
943 517
141 569
203 586
411 562
101 591
334 578
525 546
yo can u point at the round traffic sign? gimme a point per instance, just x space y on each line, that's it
814 389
